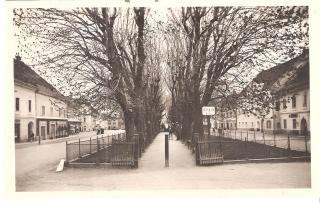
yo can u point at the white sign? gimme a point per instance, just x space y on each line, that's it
208 110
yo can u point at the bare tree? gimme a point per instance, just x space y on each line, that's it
220 43
97 54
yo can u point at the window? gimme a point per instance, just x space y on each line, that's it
277 106
30 106
294 123
17 104
293 98
269 124
305 100
284 123
51 111
43 110
284 103
84 119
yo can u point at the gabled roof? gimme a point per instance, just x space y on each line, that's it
299 80
25 74
270 76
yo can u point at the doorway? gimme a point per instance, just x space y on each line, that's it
304 127
17 131
43 132
30 131
52 131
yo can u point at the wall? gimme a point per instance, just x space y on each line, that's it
23 116
43 100
297 113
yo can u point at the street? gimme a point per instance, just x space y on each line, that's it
182 173
31 157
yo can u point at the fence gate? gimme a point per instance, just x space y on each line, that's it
208 152
125 153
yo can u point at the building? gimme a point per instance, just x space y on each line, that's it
40 110
290 112
293 104
88 122
289 83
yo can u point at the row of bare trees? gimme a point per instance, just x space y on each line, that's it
106 58
117 58
213 53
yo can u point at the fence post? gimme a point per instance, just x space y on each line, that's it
166 150
67 152
264 140
306 143
102 142
254 136
90 145
235 134
79 149
195 145
97 158
247 135
97 144
245 148
241 135
289 148
274 139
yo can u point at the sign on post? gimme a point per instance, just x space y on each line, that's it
208 110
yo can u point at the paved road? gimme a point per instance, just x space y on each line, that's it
31 157
182 174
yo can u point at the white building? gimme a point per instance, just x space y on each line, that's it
40 109
88 123
290 83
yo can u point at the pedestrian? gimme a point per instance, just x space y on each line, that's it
170 133
32 137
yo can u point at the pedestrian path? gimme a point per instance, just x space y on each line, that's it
154 156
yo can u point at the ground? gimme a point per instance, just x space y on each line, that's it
182 173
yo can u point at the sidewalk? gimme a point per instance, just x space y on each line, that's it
63 139
154 156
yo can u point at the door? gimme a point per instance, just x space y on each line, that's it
43 132
52 131
30 131
304 127
17 132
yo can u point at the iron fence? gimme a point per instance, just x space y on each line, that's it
81 148
246 145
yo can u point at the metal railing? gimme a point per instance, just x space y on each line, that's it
82 148
248 145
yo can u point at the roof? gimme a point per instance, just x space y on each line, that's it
299 80
25 74
270 76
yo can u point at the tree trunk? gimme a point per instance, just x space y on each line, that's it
129 124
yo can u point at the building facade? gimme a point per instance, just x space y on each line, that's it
40 110
289 83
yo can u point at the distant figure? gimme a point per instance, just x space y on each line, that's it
32 137
170 133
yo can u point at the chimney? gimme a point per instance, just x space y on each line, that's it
18 58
